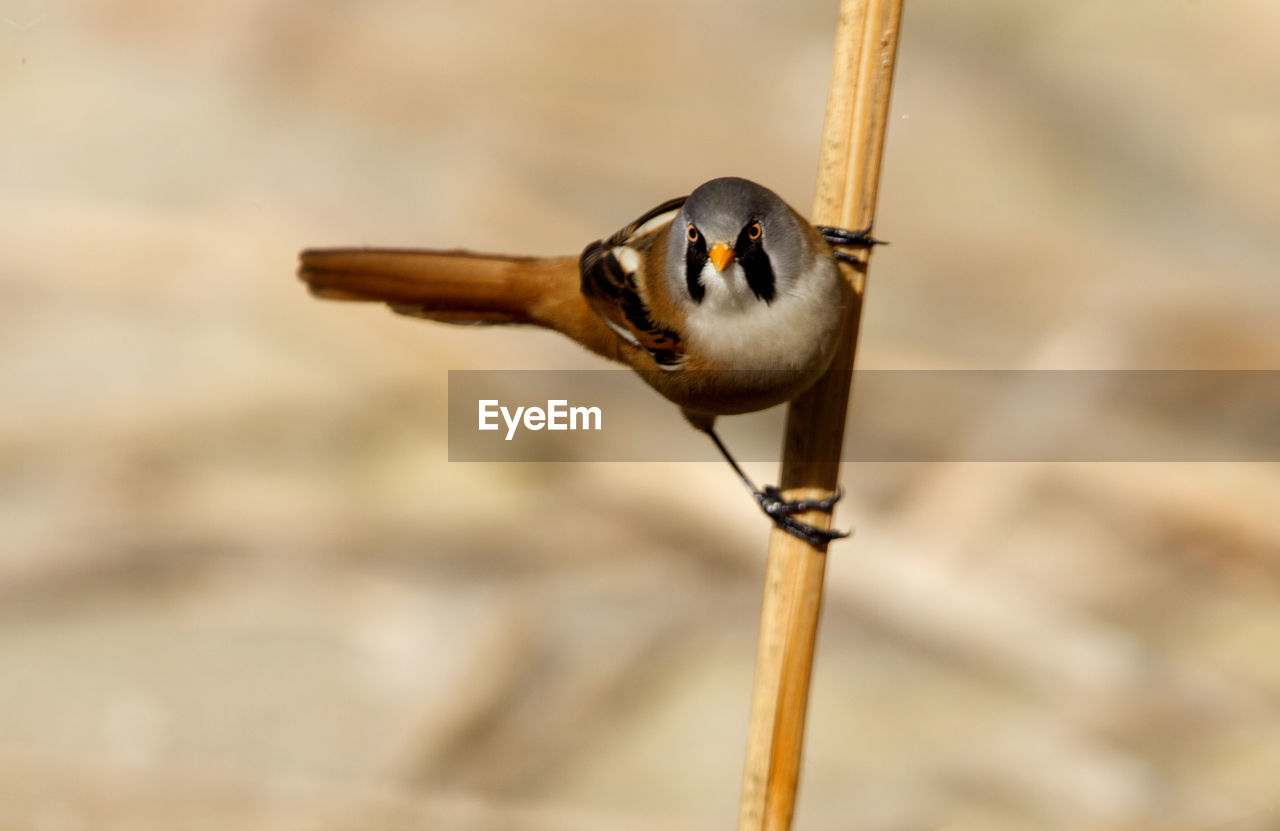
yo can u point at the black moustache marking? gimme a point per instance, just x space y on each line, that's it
755 264
695 257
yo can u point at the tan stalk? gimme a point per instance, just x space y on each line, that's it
848 179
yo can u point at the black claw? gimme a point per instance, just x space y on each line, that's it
817 537
781 510
843 236
796 506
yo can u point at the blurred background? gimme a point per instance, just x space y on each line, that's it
241 585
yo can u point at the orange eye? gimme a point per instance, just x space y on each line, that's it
754 231
692 234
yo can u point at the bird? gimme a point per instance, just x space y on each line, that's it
725 301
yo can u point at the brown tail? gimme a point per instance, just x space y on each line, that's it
462 287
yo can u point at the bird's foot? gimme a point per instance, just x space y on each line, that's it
782 511
841 238
853 239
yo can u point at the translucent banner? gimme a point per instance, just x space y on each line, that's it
896 416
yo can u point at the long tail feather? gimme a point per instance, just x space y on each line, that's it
462 287
453 286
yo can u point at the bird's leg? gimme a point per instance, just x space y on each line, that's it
780 510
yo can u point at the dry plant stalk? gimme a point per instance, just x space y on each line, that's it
848 180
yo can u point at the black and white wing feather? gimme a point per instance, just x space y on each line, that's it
609 282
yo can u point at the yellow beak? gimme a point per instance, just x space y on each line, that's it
721 256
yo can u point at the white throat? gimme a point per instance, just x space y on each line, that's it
727 291
734 329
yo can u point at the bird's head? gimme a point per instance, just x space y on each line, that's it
735 244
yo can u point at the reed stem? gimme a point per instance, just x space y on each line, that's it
848 181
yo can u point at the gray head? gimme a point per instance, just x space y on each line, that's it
735 244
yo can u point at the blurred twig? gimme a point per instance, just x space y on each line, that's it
848 177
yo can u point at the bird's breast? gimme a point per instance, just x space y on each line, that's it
796 331
752 356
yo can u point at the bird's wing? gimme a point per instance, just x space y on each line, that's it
610 283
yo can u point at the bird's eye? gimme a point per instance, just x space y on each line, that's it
692 234
754 231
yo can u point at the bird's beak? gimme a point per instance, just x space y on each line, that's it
721 256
